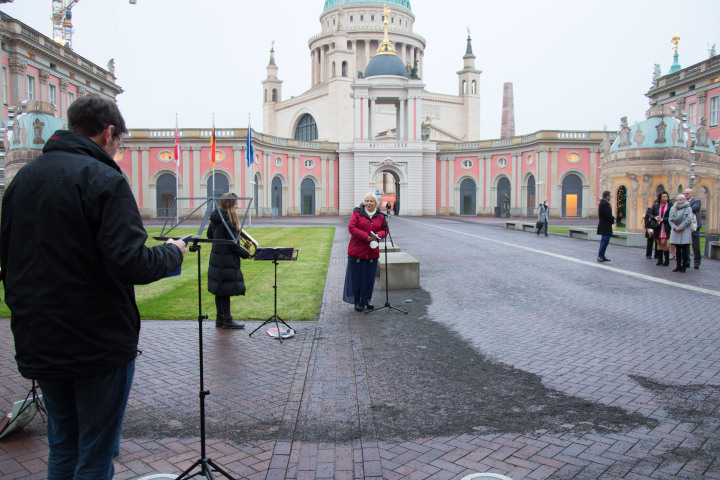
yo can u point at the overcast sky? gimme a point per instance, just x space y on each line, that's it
574 64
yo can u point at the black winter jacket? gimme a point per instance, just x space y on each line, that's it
72 245
225 278
605 218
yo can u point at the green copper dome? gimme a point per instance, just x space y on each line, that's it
346 3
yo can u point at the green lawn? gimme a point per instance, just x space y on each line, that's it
300 283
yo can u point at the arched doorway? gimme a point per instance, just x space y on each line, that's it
531 202
387 184
276 197
468 197
572 196
620 211
307 197
217 185
166 193
503 198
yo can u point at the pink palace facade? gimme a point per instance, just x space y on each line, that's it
366 124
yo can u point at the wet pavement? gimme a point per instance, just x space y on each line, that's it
520 355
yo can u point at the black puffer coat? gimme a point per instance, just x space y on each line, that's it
225 278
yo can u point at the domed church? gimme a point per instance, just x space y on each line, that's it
367 123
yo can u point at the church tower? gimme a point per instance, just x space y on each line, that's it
272 93
469 91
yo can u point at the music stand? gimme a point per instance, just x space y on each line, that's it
206 464
275 254
23 412
387 285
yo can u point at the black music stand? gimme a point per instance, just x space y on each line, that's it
26 412
206 464
275 254
387 285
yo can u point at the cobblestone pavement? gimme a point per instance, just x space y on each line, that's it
520 355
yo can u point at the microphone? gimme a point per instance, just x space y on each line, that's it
384 214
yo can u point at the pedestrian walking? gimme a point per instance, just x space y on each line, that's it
543 217
605 223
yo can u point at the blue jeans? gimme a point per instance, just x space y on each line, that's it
604 242
84 423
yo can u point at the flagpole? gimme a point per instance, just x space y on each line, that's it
212 157
177 172
252 189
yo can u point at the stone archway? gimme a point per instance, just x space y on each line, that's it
468 194
307 197
166 192
387 182
504 190
572 196
621 206
531 196
276 199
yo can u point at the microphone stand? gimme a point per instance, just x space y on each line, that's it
387 285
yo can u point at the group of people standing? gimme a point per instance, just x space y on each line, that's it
671 227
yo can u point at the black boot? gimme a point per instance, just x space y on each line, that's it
228 322
659 256
678 263
667 258
219 321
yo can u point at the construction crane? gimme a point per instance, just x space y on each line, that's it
62 21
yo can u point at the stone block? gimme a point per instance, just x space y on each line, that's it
403 271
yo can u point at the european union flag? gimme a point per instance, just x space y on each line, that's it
249 147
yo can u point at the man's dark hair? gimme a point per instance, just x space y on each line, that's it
91 114
606 194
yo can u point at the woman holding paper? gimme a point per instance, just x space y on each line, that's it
366 227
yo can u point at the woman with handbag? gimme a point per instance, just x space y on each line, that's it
681 219
661 212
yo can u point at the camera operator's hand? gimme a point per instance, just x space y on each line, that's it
179 244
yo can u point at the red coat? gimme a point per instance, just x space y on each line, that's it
360 227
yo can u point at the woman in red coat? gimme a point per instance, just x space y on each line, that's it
363 252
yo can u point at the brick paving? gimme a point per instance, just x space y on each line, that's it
520 355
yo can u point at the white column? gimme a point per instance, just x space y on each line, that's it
402 124
371 120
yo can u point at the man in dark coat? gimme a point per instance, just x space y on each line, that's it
72 245
605 223
695 205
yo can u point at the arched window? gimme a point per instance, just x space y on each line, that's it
306 129
473 87
274 95
218 187
344 69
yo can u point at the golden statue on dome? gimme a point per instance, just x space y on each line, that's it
676 41
386 48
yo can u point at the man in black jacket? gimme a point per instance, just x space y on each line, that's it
605 223
72 245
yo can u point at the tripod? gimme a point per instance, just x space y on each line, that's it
387 285
206 465
24 411
276 255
